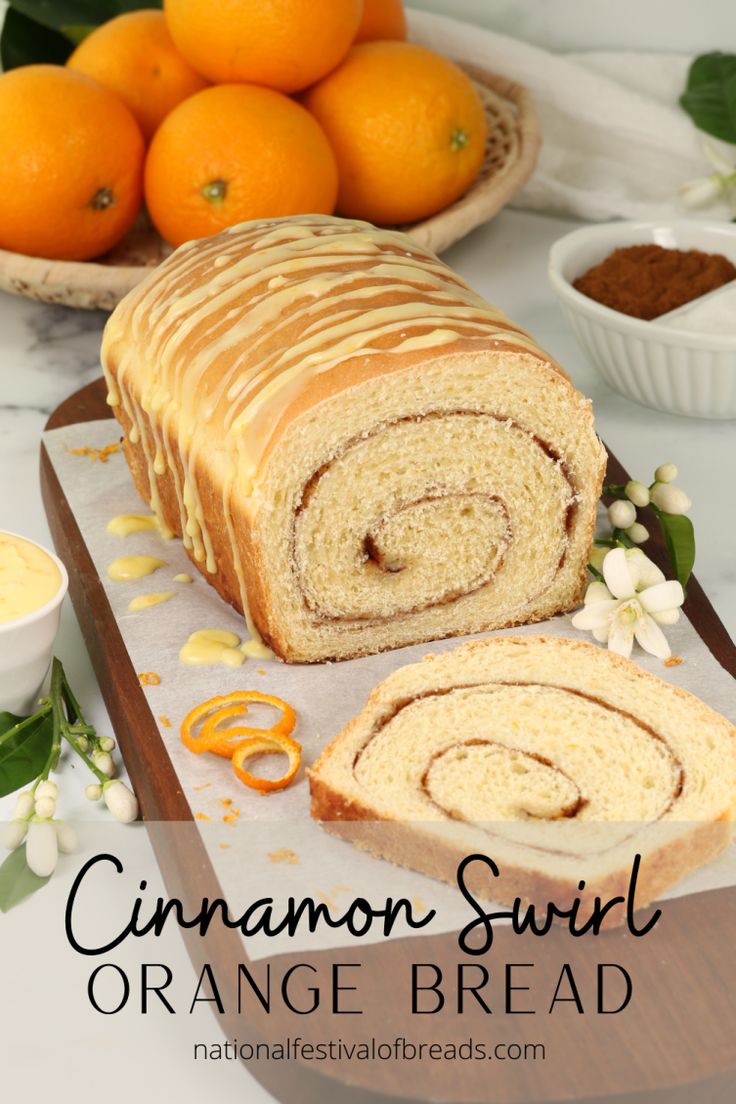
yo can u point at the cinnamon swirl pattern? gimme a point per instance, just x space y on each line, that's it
357 450
557 758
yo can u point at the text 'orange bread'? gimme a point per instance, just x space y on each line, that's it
359 452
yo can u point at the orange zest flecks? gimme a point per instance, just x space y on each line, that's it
101 455
202 786
164 721
673 661
202 816
329 898
283 855
203 730
223 846
149 678
260 671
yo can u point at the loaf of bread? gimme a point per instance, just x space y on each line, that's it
556 758
359 452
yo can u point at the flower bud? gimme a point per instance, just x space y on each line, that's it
596 557
103 761
637 493
83 744
93 792
665 473
24 803
622 513
670 499
107 743
42 849
638 533
120 801
701 191
66 837
45 807
14 834
596 592
47 789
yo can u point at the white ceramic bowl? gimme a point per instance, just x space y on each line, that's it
656 365
26 647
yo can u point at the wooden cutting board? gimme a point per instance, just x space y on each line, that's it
676 1043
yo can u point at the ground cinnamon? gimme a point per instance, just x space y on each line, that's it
645 281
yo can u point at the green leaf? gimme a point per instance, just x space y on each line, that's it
710 95
77 32
37 31
8 721
17 880
56 14
706 69
24 42
135 5
679 537
24 751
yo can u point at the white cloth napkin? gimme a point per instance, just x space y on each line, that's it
615 141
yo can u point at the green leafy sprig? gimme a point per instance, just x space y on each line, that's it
30 746
677 529
30 749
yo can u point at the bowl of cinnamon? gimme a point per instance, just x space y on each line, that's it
653 304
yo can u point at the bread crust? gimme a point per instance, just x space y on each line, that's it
404 845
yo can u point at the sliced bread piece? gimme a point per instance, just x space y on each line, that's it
559 760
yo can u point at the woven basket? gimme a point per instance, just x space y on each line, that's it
511 153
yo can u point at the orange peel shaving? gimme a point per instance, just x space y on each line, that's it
214 712
267 744
241 742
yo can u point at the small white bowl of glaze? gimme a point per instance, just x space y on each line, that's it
27 644
662 366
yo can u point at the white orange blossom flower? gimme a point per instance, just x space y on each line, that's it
631 604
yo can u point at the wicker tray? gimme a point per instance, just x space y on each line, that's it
511 153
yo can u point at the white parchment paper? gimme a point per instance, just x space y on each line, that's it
246 834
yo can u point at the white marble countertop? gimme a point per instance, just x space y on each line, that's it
48 352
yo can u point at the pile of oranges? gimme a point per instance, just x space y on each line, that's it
212 114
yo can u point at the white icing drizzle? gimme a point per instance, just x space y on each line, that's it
194 342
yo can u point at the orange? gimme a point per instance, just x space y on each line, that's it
284 44
408 130
134 56
236 152
71 165
382 19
